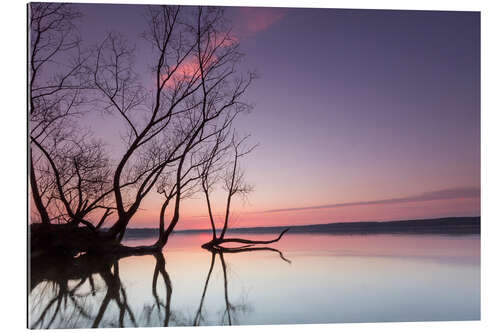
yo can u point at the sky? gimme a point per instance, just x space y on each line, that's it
360 115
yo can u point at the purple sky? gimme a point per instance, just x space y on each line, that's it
360 114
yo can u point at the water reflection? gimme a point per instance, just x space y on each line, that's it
336 278
87 291
64 292
232 310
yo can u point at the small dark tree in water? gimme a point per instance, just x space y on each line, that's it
234 184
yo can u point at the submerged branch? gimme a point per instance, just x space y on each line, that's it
218 241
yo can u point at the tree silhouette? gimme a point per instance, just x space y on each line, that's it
234 184
196 94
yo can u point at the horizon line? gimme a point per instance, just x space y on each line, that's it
316 224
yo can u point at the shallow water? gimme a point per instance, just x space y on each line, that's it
321 278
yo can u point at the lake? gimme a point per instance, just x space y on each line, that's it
313 278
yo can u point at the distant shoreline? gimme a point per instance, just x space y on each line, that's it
446 225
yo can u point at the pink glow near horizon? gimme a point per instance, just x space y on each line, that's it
195 217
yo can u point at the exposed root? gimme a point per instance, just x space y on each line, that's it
218 241
215 245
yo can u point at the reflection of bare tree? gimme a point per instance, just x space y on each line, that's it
231 310
88 292
65 290
260 248
115 292
57 286
199 317
162 307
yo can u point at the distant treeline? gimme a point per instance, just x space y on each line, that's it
447 225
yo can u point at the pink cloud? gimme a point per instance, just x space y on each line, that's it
225 39
247 22
186 70
251 20
190 67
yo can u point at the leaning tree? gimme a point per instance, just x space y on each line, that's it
173 112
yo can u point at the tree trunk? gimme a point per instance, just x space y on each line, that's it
44 216
68 240
216 244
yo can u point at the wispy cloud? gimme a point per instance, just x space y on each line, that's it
251 20
447 194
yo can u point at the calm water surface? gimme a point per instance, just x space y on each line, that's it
320 278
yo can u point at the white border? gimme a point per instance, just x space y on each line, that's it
14 172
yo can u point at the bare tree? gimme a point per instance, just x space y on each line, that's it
234 184
68 171
54 88
196 94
